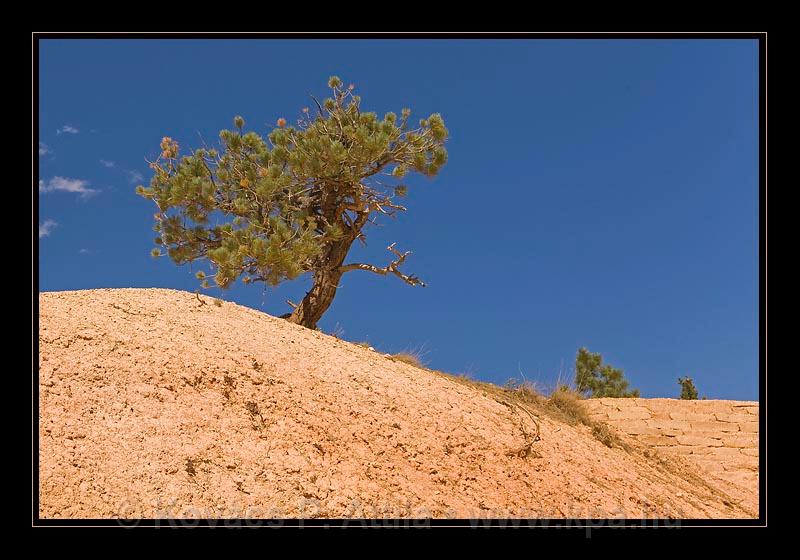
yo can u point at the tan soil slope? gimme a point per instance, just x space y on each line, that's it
152 405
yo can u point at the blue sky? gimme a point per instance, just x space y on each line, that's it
599 193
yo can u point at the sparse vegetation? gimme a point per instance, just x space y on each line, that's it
563 404
522 391
192 465
255 415
338 331
413 356
568 402
595 379
229 383
196 382
605 434
408 358
688 390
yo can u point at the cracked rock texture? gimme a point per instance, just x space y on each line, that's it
153 405
721 437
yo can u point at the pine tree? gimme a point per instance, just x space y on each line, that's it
270 210
688 390
595 379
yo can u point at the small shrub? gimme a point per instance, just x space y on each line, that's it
408 358
605 435
413 356
569 403
688 390
595 379
524 392
338 331
563 404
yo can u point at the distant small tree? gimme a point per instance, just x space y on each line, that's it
595 379
688 390
269 210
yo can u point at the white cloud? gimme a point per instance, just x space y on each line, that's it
84 251
46 227
43 149
134 176
67 129
64 184
107 163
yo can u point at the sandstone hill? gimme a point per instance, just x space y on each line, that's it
152 404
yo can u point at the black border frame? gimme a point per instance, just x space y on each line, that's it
581 524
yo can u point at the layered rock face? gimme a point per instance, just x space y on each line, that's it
719 436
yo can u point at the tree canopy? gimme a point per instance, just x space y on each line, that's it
270 209
595 379
688 389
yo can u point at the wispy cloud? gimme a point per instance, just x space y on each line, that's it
84 251
107 163
67 129
64 184
43 149
46 228
134 176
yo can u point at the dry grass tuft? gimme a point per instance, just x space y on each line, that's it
413 356
408 358
563 404
569 403
607 436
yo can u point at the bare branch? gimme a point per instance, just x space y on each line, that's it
319 107
391 268
378 205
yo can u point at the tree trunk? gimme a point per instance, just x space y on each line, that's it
326 281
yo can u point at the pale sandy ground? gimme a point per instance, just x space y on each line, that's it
152 405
